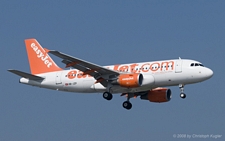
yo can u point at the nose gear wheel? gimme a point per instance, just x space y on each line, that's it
182 94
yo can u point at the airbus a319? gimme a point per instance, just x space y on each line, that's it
146 80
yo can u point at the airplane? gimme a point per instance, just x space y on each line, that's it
148 80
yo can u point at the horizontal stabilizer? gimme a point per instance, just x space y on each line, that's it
26 75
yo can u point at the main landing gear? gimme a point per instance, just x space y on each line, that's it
126 104
182 94
107 95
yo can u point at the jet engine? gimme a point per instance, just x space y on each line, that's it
129 80
158 95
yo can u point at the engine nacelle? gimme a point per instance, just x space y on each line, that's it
148 80
129 80
158 95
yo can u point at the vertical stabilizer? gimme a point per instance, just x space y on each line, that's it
39 60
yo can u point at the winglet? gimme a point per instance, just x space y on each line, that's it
40 61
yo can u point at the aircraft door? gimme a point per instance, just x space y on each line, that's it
58 80
178 68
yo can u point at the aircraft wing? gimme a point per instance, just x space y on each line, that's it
98 72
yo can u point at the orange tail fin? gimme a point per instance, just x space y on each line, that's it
39 60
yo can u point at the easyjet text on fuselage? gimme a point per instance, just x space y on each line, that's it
152 67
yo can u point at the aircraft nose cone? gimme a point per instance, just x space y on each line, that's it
209 73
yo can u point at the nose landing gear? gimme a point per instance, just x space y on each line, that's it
182 94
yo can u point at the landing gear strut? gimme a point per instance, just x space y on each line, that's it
182 94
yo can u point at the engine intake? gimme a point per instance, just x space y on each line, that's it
158 95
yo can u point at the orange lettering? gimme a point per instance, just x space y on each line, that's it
116 67
167 65
144 67
132 68
123 68
154 66
72 74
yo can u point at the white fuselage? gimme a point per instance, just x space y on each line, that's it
158 73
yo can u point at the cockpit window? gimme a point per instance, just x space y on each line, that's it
196 64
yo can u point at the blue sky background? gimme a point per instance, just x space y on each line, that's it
112 32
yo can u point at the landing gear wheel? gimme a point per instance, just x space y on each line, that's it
107 95
127 105
183 95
